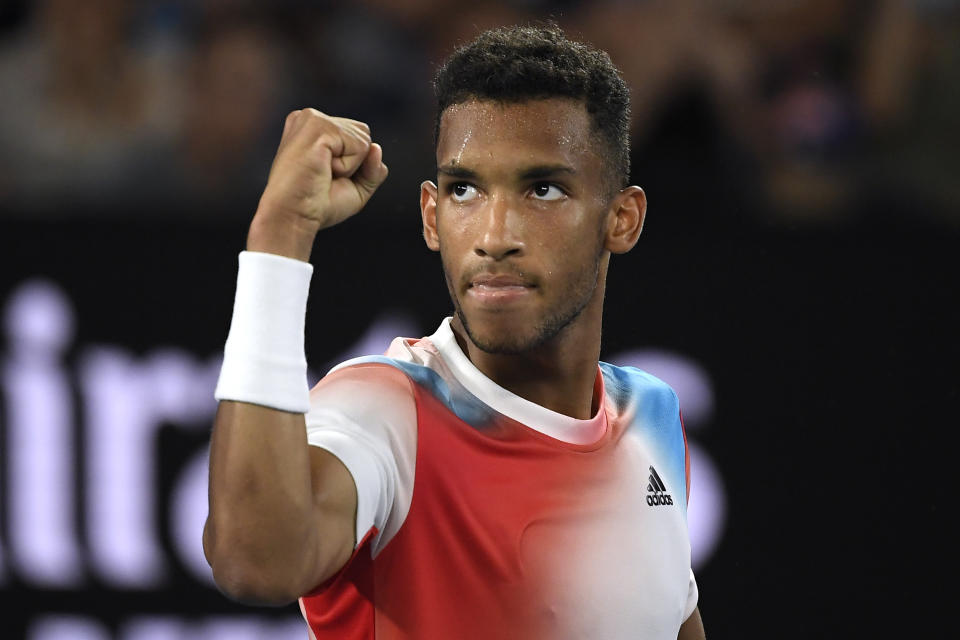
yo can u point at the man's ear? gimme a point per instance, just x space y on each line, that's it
625 222
428 213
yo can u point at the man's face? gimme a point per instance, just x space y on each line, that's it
518 215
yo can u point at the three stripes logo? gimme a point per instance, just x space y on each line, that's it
657 491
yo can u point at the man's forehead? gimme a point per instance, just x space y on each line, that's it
552 126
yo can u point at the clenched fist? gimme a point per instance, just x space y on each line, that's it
325 171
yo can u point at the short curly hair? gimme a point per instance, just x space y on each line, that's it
520 63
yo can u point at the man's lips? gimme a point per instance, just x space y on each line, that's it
500 281
495 288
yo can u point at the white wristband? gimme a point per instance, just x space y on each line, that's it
263 360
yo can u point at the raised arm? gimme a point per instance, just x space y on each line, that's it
282 514
692 629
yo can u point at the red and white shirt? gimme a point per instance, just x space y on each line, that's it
483 515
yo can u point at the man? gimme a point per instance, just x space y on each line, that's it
492 480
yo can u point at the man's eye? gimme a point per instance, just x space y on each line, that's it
463 192
547 191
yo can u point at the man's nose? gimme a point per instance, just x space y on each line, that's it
499 235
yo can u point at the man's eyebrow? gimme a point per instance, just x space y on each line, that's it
546 171
456 171
530 173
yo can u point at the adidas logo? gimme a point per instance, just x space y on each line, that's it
657 491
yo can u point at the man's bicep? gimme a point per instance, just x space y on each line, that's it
334 508
366 417
692 629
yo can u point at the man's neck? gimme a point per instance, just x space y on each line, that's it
558 375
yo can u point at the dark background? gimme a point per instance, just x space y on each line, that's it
808 262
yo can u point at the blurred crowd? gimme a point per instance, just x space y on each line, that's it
796 111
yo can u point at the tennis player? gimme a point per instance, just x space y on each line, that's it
493 479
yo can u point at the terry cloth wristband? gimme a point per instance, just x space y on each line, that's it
264 361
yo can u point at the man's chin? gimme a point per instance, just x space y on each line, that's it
502 338
502 347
